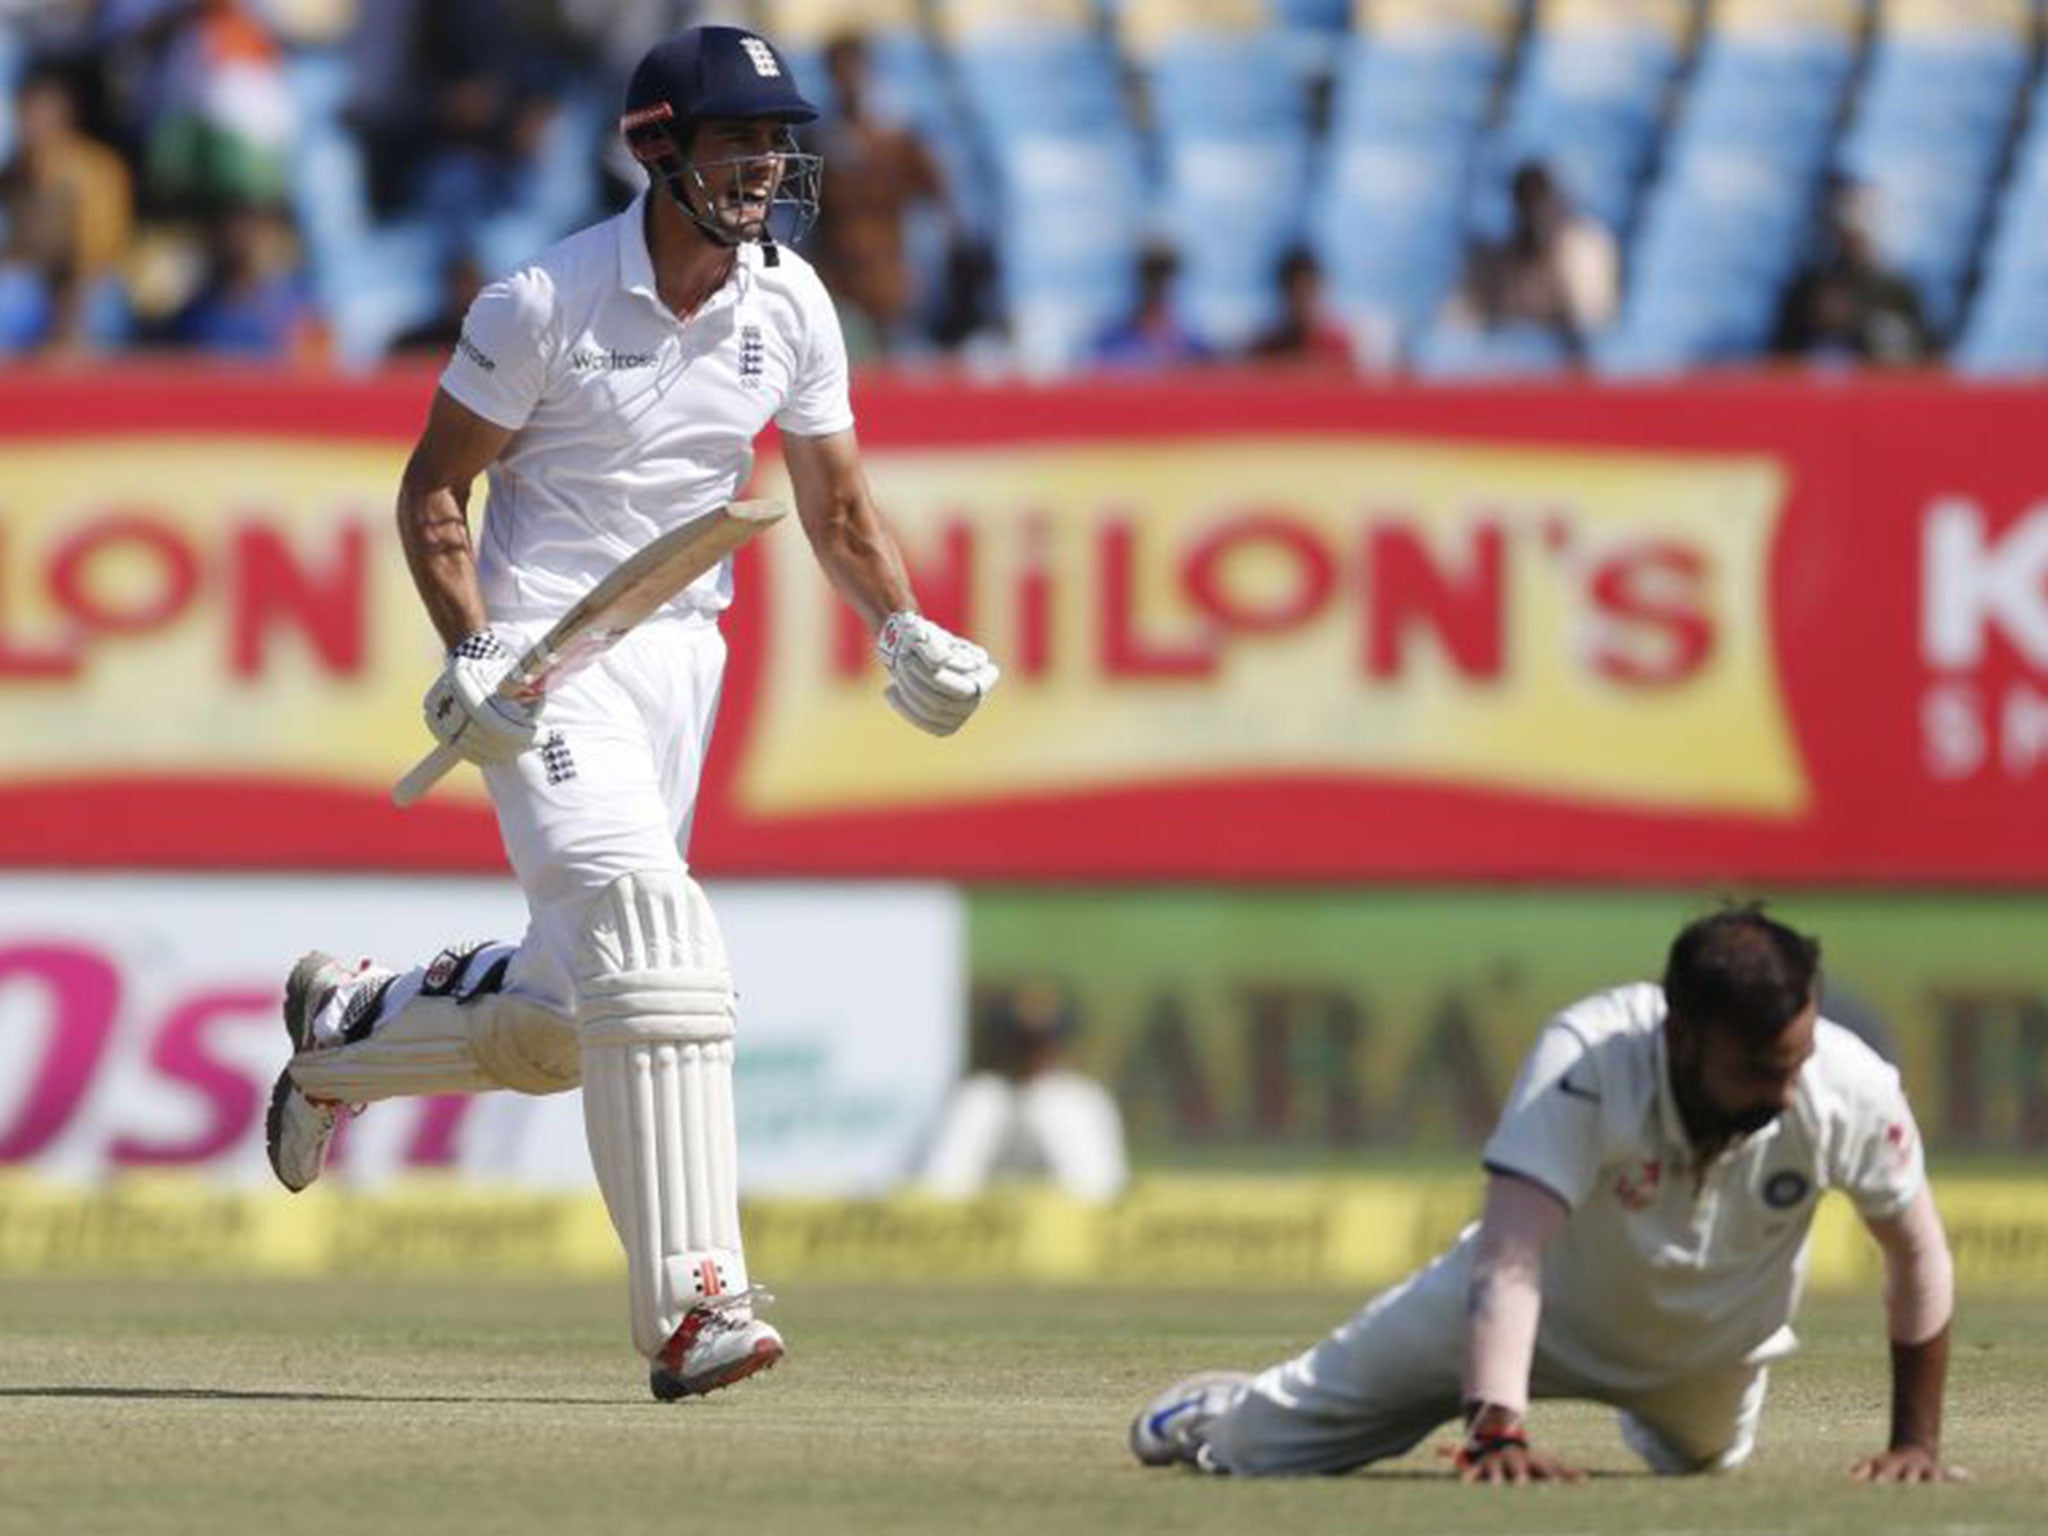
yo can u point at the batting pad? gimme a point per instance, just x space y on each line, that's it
441 1045
655 1009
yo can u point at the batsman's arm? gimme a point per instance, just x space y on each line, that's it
1503 1308
846 529
433 514
1919 1296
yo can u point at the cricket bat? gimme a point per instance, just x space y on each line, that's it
642 583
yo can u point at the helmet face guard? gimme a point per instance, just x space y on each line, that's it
721 197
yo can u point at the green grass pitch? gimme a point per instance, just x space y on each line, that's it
371 1407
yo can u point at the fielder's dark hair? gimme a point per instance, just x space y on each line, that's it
1741 970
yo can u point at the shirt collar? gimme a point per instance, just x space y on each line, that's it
636 265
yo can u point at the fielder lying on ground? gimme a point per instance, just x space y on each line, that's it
1652 1184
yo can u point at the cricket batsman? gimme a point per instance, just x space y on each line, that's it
611 390
1651 1186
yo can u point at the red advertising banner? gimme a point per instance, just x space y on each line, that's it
1252 628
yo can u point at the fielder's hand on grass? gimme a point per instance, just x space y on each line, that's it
462 707
1497 1450
1906 1464
936 679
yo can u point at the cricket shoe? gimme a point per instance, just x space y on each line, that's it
1173 1428
298 1130
719 1342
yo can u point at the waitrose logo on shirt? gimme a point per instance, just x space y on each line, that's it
587 360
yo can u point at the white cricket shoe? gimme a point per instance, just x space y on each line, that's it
298 1130
718 1343
1172 1428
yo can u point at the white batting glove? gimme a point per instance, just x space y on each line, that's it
936 679
463 709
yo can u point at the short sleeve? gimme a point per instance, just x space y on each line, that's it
818 403
1879 1162
499 364
1550 1130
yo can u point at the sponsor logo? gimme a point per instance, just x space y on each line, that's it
1984 640
1637 1188
1573 1090
476 354
1586 624
1785 1189
555 758
599 360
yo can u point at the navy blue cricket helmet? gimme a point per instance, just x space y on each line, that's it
719 73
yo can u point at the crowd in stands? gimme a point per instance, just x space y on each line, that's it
1454 188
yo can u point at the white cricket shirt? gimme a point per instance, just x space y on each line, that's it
627 420
1663 1267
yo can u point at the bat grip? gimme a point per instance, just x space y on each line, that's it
426 773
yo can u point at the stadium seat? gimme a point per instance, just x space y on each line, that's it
2006 329
1412 92
371 280
1930 132
1229 113
1449 352
13 59
1720 230
1588 102
1073 226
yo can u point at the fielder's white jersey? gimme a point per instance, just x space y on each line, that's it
627 421
1664 1267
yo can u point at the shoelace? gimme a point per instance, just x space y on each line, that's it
733 1301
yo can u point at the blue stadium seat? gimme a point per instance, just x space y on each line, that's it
2006 330
1449 352
1072 227
13 60
1230 115
1931 129
1589 105
1386 215
1720 231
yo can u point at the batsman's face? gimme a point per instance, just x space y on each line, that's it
1728 1086
738 165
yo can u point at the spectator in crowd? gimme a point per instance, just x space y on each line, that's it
969 319
211 115
1846 305
1153 335
606 38
1557 272
449 105
881 174
66 204
1027 1114
462 279
253 302
1307 335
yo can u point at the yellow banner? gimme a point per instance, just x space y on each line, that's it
1593 625
1250 1233
213 606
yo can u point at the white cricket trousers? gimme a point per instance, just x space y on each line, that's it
1379 1384
609 789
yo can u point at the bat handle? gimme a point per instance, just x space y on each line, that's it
426 773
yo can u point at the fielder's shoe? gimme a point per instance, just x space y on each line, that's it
718 1343
298 1130
1172 1428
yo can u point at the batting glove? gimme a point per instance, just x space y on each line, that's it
464 711
936 679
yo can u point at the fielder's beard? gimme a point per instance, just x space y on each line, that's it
1706 1122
